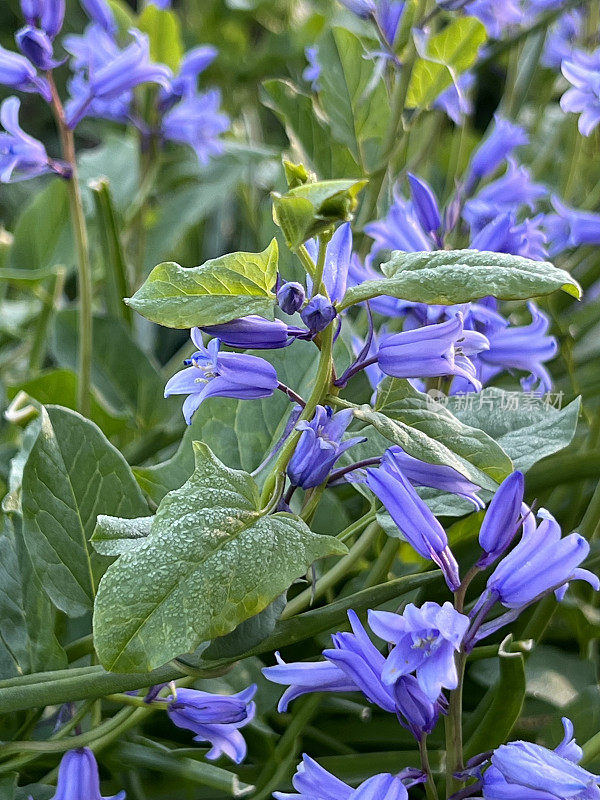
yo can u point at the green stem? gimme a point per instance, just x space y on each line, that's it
320 390
454 744
83 259
430 788
588 527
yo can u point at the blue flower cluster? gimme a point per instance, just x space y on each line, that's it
107 67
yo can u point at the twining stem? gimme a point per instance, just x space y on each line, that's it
430 788
83 259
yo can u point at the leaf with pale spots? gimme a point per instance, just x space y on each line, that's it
211 560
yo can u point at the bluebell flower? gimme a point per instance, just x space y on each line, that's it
354 664
436 476
455 100
215 374
312 72
320 446
100 12
571 227
527 771
313 782
525 348
22 156
48 15
290 297
162 4
197 121
318 313
425 205
541 563
37 47
425 640
362 8
495 15
385 305
338 255
504 235
562 37
215 718
503 518
185 83
78 777
514 189
388 15
399 230
416 712
17 72
108 78
413 518
432 351
582 70
253 333
504 137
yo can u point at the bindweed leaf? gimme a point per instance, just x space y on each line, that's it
220 290
448 277
71 475
215 560
443 58
114 536
309 209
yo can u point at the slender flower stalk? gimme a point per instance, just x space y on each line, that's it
83 259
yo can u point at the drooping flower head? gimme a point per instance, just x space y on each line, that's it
215 718
320 446
78 777
100 12
432 351
22 156
504 137
318 313
108 72
197 120
313 782
413 517
290 297
214 374
501 522
571 227
436 476
525 348
17 72
425 640
582 71
253 333
48 15
527 771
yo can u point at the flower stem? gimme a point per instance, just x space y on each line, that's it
430 788
83 260
454 744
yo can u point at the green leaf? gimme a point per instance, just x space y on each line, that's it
125 378
447 55
27 640
59 387
215 559
400 401
501 706
527 428
220 290
164 31
71 475
309 209
248 634
447 277
114 536
42 236
308 133
357 107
